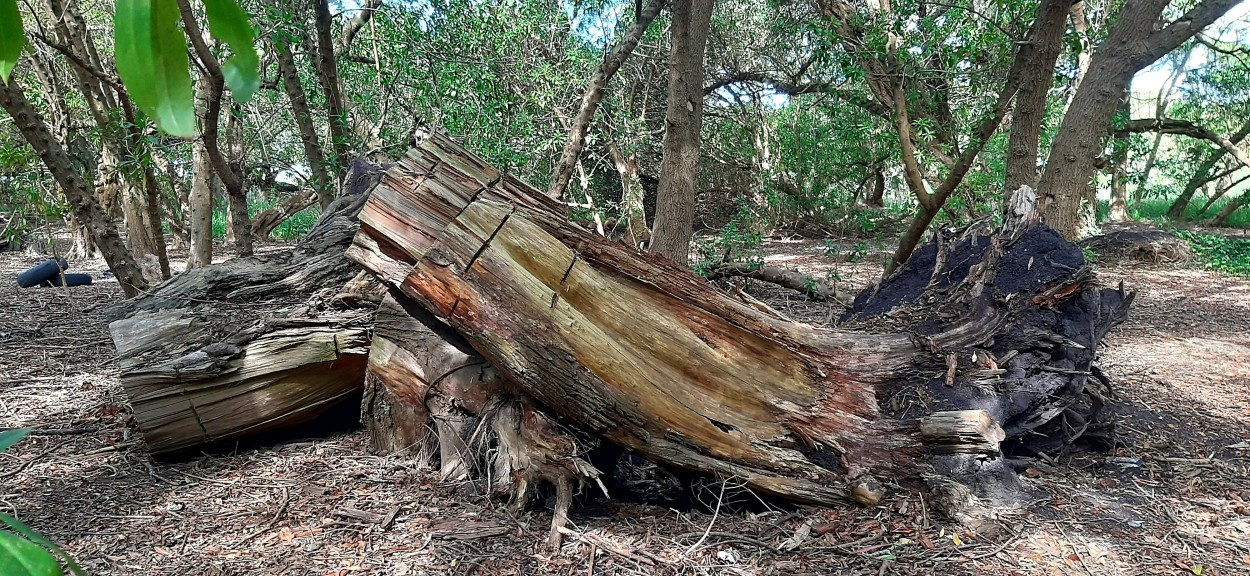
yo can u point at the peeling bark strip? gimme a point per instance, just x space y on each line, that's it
635 349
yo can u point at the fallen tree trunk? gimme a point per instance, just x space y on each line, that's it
634 349
250 345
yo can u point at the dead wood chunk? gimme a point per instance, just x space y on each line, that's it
251 345
589 335
961 432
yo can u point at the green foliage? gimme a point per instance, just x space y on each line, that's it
22 557
1219 252
12 37
294 227
152 61
1156 209
24 552
739 241
230 24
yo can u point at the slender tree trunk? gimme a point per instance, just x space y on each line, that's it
1219 193
1232 207
81 200
1133 42
1042 51
1119 183
632 209
328 74
1203 174
321 182
240 219
563 170
236 187
200 198
674 215
876 194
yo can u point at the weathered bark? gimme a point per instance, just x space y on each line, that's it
1133 42
303 120
82 201
641 352
1041 51
674 215
250 345
563 170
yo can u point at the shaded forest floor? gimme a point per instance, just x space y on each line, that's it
1173 499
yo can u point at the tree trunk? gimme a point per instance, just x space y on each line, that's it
876 194
563 170
1119 184
1118 209
1226 185
1229 209
307 130
82 200
240 219
640 352
328 74
265 222
674 217
1133 42
1041 52
200 199
234 350
633 212
234 182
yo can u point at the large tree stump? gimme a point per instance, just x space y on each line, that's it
632 348
250 345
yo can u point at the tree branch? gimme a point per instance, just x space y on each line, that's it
563 170
1185 128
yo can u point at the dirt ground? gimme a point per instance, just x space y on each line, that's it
1173 499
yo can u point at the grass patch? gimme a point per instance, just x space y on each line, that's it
294 227
1156 209
1216 252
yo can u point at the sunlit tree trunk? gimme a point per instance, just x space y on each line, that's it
1030 109
321 182
674 214
1133 42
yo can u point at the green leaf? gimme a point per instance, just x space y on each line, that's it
21 528
230 24
12 37
152 61
21 557
11 437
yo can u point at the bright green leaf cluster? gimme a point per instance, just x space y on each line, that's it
230 24
152 61
12 37
152 58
